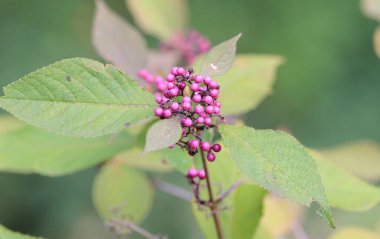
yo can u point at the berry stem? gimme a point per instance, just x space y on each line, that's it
212 204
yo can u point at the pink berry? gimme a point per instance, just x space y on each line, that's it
158 98
182 85
197 98
211 156
205 146
161 86
199 109
201 174
208 99
158 111
207 80
174 70
198 79
181 71
159 79
188 122
170 85
170 77
174 106
213 85
216 110
214 93
192 173
200 120
186 105
174 92
186 99
203 88
194 87
208 121
144 73
216 147
218 104
194 144
209 109
167 113
183 121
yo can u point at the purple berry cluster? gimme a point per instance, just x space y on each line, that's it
193 99
190 44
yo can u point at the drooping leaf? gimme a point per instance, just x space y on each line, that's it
371 8
119 191
277 162
32 150
251 77
152 162
78 97
117 41
163 134
345 191
220 58
5 233
8 123
161 18
280 216
247 210
361 158
353 233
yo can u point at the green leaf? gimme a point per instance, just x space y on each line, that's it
31 150
353 233
78 97
247 211
8 234
161 18
163 134
117 41
343 190
277 162
8 123
121 191
220 58
361 158
152 162
251 77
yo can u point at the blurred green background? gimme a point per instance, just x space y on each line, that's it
327 92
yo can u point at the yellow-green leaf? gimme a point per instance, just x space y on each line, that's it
354 233
5 233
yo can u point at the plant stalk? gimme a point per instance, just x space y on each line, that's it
212 204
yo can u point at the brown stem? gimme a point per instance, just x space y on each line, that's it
113 222
213 204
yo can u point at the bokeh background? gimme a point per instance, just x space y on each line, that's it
327 92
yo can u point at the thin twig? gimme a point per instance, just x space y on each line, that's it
224 194
172 189
133 227
213 205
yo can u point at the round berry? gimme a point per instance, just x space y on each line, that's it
218 104
144 73
174 106
208 121
174 70
197 98
192 173
216 110
192 152
170 77
158 98
188 122
208 99
200 120
170 85
213 85
167 113
216 147
194 144
201 174
182 85
214 93
158 111
198 79
209 109
186 105
194 87
205 146
186 99
161 86
174 92
207 80
181 71
211 157
199 109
